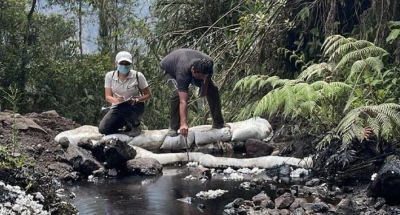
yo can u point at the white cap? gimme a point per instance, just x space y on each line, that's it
123 56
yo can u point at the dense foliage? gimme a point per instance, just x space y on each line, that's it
314 61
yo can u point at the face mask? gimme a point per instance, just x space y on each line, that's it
124 69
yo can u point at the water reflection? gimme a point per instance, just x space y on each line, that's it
154 195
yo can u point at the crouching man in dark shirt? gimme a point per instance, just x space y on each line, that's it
181 68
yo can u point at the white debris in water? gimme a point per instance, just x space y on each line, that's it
373 176
245 185
189 177
255 170
298 173
211 194
186 200
235 177
91 178
229 170
192 164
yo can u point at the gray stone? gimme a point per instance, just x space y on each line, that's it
201 172
297 203
257 199
64 142
52 113
117 153
81 160
284 201
257 148
387 182
344 207
319 207
144 166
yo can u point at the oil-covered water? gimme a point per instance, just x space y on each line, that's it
157 195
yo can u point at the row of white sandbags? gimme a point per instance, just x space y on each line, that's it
256 128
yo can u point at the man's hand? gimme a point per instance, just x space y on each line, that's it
183 130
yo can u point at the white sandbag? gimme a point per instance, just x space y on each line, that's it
255 128
178 142
203 134
149 139
123 137
76 134
210 161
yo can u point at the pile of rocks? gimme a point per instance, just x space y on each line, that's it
13 200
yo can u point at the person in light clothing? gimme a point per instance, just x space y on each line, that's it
126 89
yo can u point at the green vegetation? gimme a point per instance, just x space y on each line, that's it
331 66
8 151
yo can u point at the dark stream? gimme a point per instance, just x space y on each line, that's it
156 195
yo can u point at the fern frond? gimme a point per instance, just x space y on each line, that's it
371 51
293 100
348 47
327 139
270 104
384 119
250 82
315 70
247 111
331 43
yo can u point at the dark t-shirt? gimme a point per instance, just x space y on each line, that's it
178 64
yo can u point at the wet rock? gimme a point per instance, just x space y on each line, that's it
50 113
294 190
212 149
298 211
313 182
85 144
202 172
319 207
117 153
257 199
344 207
242 211
144 166
100 172
64 142
277 212
297 203
257 148
98 151
238 202
284 170
281 191
81 160
238 146
386 182
71 176
379 202
284 201
267 204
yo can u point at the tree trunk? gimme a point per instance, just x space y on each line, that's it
80 27
28 39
